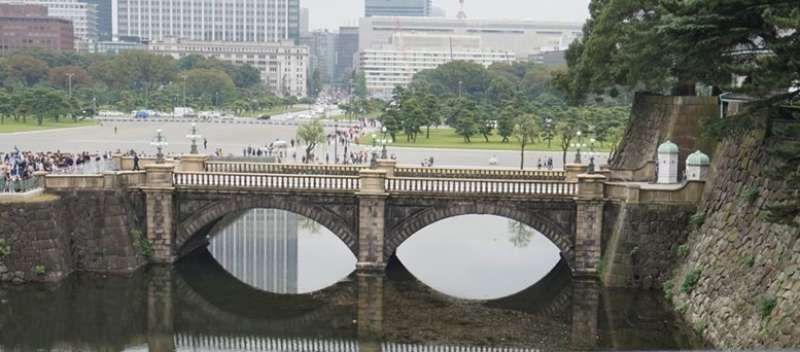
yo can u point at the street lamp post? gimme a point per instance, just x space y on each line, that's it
460 86
184 90
384 142
69 84
194 136
335 143
160 142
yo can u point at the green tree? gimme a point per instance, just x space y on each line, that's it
462 118
569 122
311 134
211 86
143 72
360 85
26 69
526 129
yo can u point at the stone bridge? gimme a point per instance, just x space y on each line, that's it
372 210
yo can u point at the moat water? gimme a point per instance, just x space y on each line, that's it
270 280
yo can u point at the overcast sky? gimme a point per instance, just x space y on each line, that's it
331 14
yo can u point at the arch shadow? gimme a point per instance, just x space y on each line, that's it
212 295
204 219
405 229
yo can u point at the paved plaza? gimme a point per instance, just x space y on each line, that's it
233 138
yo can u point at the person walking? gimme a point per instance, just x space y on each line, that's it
135 162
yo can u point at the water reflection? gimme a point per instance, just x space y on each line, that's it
279 251
199 306
479 256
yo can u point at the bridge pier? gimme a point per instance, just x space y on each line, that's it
371 211
159 190
589 226
160 315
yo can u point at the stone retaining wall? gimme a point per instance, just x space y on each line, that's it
75 231
641 242
655 119
740 282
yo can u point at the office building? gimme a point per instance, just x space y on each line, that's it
346 54
82 15
283 66
226 21
27 26
305 22
104 18
397 8
259 247
322 54
395 64
523 38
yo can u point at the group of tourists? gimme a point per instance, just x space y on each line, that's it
21 165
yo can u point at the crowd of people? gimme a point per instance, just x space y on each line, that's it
21 165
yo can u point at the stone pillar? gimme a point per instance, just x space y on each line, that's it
193 163
160 315
371 208
116 161
585 302
158 191
370 310
573 170
589 226
40 178
387 165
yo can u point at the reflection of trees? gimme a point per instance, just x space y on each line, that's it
309 226
520 234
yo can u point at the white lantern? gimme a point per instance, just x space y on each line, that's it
668 163
697 165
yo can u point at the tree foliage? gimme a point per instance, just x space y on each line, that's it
669 46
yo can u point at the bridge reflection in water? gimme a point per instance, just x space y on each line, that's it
259 247
198 306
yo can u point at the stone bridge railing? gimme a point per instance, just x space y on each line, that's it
400 171
389 184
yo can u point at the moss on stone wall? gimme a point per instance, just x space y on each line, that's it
747 290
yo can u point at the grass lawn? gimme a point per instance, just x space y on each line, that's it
446 138
11 126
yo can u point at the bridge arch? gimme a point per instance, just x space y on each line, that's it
209 214
405 229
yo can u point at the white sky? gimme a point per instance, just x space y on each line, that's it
331 14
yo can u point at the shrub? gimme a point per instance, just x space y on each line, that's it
750 195
5 248
667 289
766 307
690 281
750 261
39 270
682 251
141 243
698 219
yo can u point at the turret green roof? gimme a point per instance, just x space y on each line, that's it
698 158
668 148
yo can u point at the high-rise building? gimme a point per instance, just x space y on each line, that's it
104 16
82 15
322 54
305 22
28 26
283 66
346 53
228 21
259 247
395 64
524 38
397 8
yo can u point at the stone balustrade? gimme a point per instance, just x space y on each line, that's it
274 181
108 180
690 192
